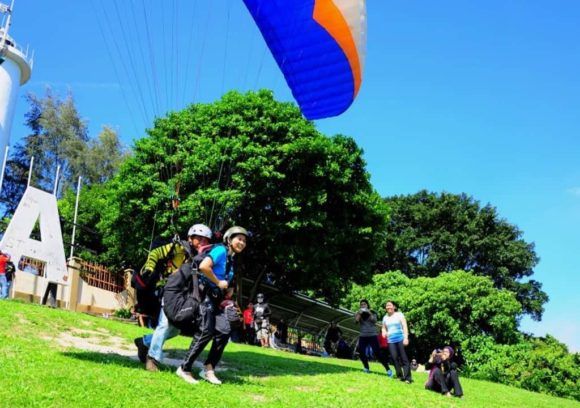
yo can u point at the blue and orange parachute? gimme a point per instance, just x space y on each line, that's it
320 47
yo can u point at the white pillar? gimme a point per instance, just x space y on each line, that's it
72 240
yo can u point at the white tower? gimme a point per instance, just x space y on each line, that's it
15 70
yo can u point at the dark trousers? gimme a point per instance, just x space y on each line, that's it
207 331
220 341
329 346
50 291
373 342
250 334
220 334
445 382
400 360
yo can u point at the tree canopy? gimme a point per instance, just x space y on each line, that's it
317 223
59 137
431 233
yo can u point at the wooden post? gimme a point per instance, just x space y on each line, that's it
75 283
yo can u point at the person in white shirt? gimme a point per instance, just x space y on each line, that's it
397 333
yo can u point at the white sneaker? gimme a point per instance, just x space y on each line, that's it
187 377
209 376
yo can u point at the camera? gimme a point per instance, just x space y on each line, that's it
364 313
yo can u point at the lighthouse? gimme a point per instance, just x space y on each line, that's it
15 70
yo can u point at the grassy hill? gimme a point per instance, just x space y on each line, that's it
56 358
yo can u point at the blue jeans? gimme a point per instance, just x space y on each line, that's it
4 286
162 333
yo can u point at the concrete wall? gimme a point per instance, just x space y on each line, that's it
31 288
78 295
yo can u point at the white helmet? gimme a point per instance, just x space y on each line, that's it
200 230
235 230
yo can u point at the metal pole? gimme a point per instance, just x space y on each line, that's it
72 240
30 170
56 180
3 168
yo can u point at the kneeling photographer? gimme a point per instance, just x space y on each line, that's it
367 319
443 375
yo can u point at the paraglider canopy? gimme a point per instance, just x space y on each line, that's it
319 45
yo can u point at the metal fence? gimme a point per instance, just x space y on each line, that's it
100 277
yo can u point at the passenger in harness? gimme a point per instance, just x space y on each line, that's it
163 260
150 347
218 268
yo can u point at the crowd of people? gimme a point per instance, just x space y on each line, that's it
187 287
389 346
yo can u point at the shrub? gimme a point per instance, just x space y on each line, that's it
123 313
536 364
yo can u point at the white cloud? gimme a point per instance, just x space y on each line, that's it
73 85
575 191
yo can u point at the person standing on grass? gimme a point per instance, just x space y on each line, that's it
262 315
150 346
384 351
4 285
333 335
395 328
249 324
218 268
367 319
10 274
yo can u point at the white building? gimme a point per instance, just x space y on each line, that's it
15 70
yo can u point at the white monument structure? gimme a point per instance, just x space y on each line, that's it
15 70
40 207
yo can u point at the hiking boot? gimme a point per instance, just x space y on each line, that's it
142 349
186 376
209 376
151 364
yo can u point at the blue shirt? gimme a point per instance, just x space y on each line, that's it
219 256
394 326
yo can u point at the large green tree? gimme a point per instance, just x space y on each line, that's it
430 233
447 309
59 137
317 223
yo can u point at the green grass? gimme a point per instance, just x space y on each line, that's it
38 371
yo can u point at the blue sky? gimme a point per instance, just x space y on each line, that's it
481 98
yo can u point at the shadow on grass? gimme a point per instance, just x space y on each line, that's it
239 364
112 358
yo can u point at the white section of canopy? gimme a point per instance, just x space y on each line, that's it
355 14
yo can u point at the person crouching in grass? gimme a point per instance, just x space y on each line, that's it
443 376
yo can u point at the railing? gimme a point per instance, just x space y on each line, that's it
100 277
24 53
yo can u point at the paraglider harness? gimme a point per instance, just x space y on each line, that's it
187 288
146 280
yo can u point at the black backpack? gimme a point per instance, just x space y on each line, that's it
10 271
183 294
